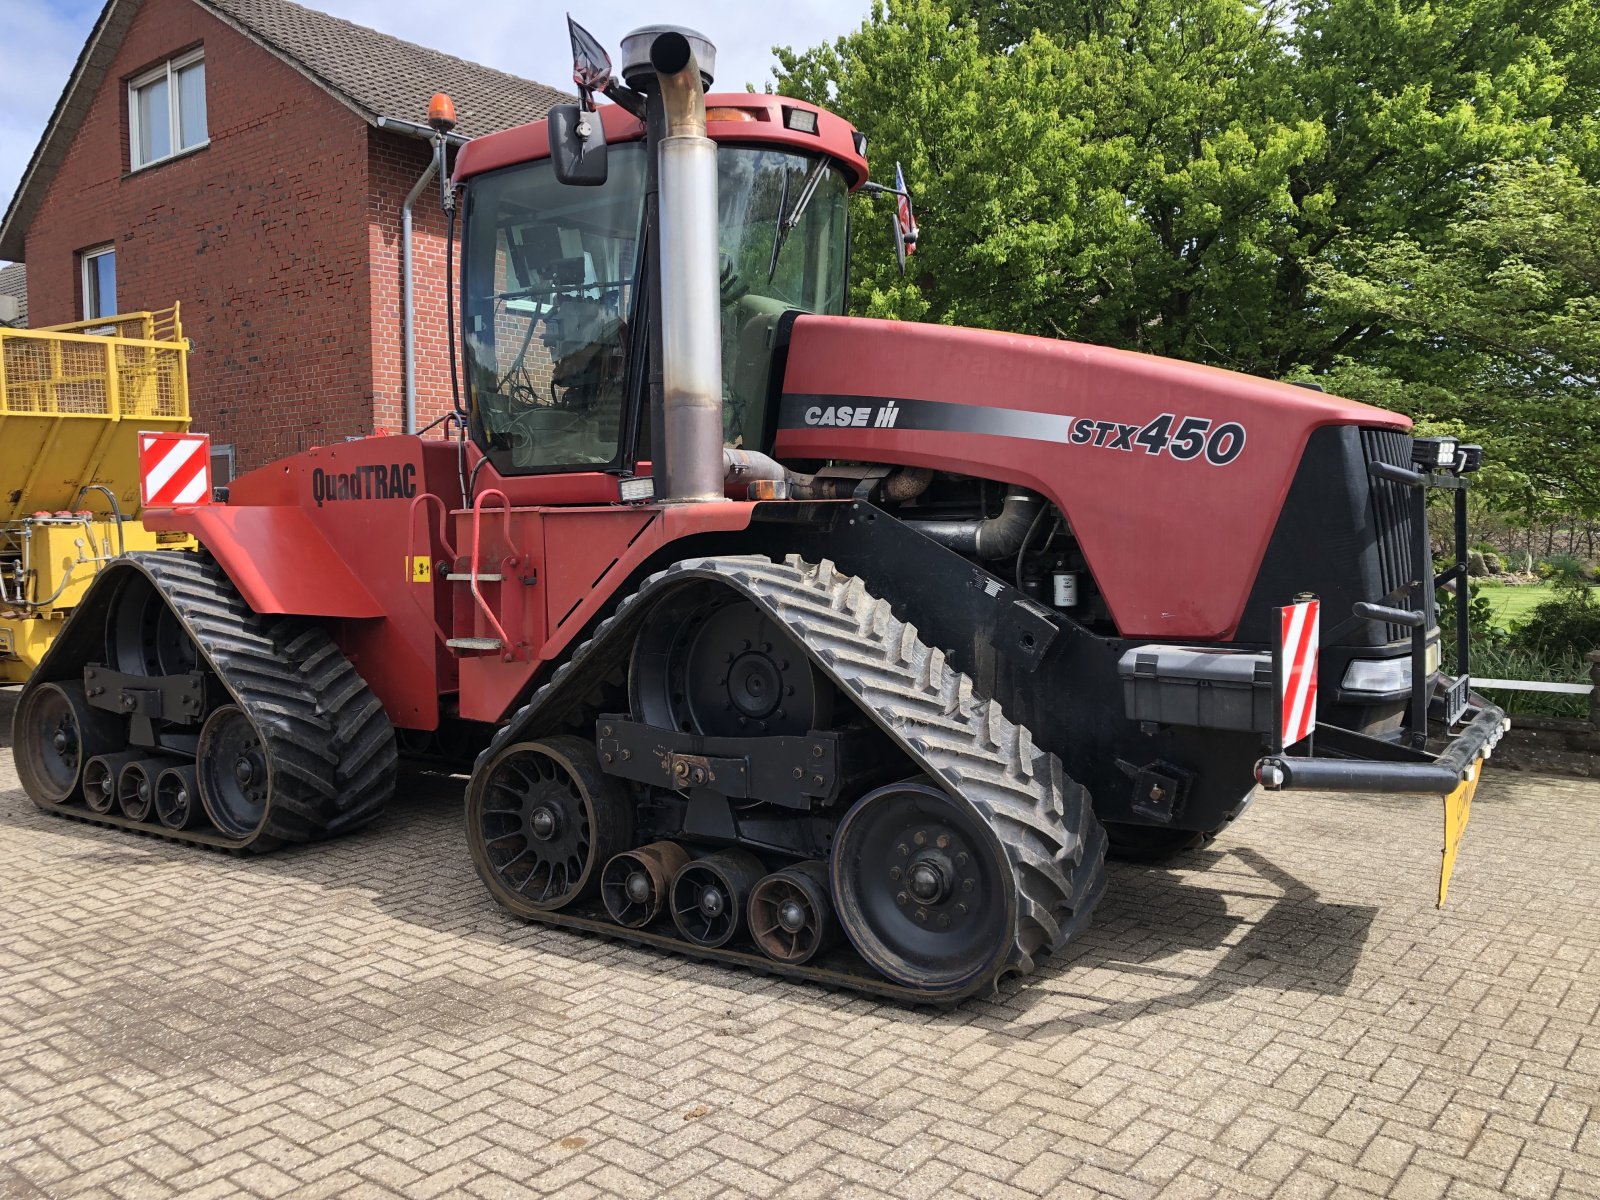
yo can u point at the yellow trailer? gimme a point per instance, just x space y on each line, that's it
73 399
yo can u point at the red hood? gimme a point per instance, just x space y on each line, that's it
1173 519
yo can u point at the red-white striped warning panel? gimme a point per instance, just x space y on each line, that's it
174 468
1298 642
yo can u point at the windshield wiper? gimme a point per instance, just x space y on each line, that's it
785 224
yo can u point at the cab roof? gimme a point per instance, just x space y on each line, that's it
731 117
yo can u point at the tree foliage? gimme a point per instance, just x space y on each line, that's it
1398 196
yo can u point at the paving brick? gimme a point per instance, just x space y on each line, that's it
1283 1014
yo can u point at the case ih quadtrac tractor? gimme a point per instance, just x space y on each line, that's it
832 647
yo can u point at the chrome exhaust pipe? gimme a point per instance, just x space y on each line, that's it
690 464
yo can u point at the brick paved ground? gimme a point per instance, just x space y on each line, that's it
1285 1015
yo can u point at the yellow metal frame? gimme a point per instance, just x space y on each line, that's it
72 403
73 400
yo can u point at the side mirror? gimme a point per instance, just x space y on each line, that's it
905 221
577 145
902 222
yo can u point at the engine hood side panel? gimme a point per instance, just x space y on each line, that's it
1173 516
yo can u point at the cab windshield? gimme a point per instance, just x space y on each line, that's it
550 275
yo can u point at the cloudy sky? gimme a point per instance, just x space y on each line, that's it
43 38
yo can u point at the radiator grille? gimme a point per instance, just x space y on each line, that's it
1391 518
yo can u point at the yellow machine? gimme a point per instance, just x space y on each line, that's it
73 399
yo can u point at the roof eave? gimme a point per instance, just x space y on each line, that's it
24 202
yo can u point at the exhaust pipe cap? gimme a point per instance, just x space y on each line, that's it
639 54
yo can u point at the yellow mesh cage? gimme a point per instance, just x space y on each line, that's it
73 399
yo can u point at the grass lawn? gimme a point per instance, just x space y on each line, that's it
1512 604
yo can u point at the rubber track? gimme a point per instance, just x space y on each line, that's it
330 746
1044 820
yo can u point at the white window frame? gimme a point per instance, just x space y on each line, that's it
168 71
90 280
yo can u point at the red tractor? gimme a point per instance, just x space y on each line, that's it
834 647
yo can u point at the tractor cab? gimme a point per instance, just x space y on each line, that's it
554 281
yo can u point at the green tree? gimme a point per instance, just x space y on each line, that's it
1498 322
1239 182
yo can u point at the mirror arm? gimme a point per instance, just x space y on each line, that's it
624 97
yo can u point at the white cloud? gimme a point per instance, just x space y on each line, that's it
43 38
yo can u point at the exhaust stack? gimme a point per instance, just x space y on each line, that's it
690 465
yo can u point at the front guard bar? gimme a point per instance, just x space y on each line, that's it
1358 763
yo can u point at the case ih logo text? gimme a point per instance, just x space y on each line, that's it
396 481
872 416
1169 435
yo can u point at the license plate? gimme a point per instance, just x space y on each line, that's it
1457 811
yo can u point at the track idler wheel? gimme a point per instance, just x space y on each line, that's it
709 896
136 787
923 888
102 779
234 773
635 883
791 917
542 822
178 797
57 732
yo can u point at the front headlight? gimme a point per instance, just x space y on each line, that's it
1385 674
1433 451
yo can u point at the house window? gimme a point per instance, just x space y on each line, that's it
221 465
99 282
167 110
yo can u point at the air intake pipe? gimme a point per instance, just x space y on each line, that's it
996 537
691 324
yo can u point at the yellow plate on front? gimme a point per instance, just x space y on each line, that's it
1457 811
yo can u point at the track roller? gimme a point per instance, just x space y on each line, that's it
57 733
136 787
791 916
635 883
102 779
709 896
178 797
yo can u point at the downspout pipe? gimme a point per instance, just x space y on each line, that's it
408 313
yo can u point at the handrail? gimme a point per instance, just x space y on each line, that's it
411 544
150 321
477 596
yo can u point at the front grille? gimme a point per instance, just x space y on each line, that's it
1391 518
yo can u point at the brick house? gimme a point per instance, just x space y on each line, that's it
250 158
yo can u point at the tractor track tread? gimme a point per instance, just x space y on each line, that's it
330 746
1044 821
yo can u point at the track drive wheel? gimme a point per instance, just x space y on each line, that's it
57 731
723 668
924 888
543 820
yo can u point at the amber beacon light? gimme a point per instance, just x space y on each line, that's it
442 112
